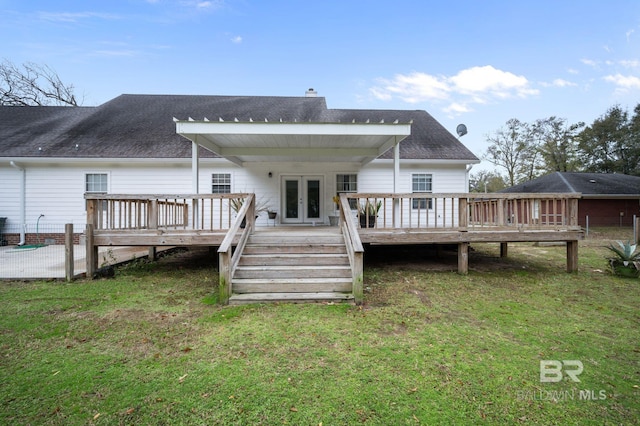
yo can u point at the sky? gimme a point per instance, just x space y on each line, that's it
471 62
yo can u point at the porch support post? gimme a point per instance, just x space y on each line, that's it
504 249
91 256
396 184
195 179
68 252
572 256
195 166
463 258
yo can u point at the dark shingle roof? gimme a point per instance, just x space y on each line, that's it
588 184
141 126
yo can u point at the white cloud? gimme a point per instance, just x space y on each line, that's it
74 17
634 63
412 88
457 108
559 82
476 85
116 53
203 4
628 34
589 62
493 82
623 82
236 39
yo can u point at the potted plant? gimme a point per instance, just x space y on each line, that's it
335 218
236 205
368 213
627 260
272 214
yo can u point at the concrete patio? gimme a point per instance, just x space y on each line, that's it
47 262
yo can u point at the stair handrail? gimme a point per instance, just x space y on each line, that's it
355 250
229 258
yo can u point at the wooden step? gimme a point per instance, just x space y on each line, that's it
293 266
318 297
291 285
292 271
300 259
295 249
275 239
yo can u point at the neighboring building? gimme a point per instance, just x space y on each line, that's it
607 199
293 152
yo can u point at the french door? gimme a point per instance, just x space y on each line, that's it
302 199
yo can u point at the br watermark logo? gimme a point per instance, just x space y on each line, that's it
551 370
554 371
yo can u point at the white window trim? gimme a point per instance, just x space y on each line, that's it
429 201
231 178
84 182
353 203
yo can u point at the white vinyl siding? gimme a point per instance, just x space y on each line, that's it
58 191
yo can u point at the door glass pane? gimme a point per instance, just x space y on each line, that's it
291 189
313 199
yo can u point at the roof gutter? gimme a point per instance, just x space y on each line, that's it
611 196
23 201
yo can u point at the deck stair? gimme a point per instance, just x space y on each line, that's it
295 265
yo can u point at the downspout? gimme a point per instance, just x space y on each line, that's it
23 201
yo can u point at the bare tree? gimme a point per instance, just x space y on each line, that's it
512 149
32 85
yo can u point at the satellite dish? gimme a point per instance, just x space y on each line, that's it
461 130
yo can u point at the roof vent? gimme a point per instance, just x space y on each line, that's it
311 93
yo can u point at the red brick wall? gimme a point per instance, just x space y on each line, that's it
607 212
32 238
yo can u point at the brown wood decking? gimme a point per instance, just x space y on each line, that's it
324 263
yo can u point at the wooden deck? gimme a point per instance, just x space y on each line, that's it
325 263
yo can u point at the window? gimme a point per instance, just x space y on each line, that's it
421 182
347 183
221 183
96 183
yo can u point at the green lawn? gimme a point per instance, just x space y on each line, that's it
428 347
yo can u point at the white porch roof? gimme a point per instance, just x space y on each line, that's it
242 142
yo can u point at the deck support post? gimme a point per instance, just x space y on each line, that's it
153 253
91 251
68 252
463 258
572 256
224 264
504 249
357 283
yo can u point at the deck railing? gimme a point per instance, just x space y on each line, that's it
355 250
524 210
230 256
464 210
121 212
